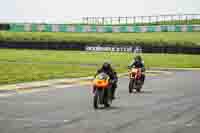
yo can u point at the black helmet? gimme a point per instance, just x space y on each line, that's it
106 66
138 58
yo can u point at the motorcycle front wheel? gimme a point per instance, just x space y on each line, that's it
96 100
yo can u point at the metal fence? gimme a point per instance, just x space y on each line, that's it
143 20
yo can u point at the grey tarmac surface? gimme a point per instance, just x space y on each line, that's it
168 104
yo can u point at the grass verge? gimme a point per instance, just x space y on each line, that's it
150 39
32 65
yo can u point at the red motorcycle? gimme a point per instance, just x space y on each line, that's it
135 81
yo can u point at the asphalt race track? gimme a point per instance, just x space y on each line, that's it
168 104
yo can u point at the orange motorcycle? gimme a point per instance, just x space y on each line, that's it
135 81
102 91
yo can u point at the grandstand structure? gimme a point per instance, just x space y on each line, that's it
159 23
144 20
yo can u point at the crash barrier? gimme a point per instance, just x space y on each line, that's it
96 47
101 28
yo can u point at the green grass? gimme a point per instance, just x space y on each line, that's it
32 65
15 73
154 39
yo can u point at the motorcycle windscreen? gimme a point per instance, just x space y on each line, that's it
102 76
134 70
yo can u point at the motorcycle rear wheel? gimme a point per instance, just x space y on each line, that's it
139 87
131 85
107 98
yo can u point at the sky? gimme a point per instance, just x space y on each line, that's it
59 11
